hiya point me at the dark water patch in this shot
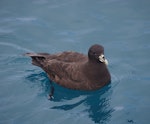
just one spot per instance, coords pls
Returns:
(39, 79)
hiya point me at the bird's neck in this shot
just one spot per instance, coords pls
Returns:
(94, 66)
(96, 71)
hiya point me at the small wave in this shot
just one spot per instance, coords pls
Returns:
(15, 46)
(118, 108)
(53, 5)
(116, 80)
(26, 19)
(6, 31)
(21, 19)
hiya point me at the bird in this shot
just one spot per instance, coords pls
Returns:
(75, 70)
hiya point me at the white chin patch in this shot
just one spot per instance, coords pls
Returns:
(102, 59)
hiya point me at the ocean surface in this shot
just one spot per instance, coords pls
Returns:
(121, 26)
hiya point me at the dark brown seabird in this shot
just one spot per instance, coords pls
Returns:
(75, 70)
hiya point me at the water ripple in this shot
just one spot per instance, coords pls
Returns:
(15, 46)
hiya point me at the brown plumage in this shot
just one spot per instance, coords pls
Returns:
(75, 70)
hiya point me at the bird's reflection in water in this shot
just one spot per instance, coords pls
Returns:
(97, 102)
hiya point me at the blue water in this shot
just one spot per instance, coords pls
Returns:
(121, 26)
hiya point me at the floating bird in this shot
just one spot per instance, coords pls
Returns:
(75, 70)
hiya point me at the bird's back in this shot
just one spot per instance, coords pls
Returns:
(39, 59)
(63, 68)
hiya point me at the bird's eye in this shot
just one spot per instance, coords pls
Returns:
(94, 53)
(103, 56)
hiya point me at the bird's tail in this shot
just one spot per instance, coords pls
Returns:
(37, 59)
